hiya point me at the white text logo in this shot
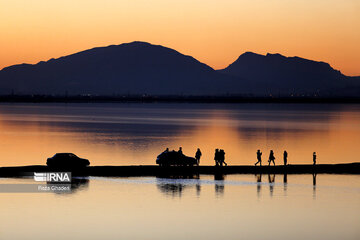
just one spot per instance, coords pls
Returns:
(52, 177)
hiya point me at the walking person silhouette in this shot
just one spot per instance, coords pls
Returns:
(258, 156)
(314, 158)
(271, 157)
(222, 157)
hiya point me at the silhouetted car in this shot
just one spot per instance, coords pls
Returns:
(174, 158)
(67, 160)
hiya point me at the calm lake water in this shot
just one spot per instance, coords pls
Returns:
(235, 207)
(132, 134)
(238, 207)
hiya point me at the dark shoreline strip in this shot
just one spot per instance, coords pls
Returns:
(152, 170)
(175, 99)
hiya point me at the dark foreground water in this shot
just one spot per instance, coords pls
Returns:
(132, 134)
(238, 207)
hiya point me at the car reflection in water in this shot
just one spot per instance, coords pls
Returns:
(175, 185)
(77, 184)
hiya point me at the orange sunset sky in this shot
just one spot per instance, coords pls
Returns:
(215, 32)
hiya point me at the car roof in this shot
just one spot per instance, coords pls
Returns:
(59, 154)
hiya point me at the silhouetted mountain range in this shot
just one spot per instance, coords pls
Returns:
(143, 68)
(276, 74)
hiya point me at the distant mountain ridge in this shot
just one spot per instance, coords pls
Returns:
(143, 68)
(131, 68)
(275, 73)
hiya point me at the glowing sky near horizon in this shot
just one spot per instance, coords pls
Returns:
(215, 32)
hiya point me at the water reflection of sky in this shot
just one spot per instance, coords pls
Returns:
(135, 133)
(238, 205)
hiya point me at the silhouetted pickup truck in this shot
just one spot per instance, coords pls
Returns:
(173, 158)
(68, 160)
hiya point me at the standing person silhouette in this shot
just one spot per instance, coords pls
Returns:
(271, 157)
(216, 157)
(258, 156)
(285, 157)
(314, 158)
(198, 156)
(180, 150)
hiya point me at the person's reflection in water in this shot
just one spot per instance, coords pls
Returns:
(198, 189)
(219, 184)
(258, 185)
(271, 183)
(198, 186)
(285, 183)
(314, 185)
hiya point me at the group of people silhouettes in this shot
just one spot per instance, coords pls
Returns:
(219, 157)
(272, 157)
(198, 154)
